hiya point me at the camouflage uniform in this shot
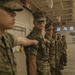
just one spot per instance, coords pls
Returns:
(64, 49)
(51, 46)
(61, 51)
(7, 42)
(57, 55)
(41, 52)
(51, 51)
(7, 62)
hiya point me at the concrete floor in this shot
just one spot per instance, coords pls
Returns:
(69, 69)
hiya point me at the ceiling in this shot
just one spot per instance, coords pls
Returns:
(62, 10)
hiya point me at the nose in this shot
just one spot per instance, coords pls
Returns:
(13, 14)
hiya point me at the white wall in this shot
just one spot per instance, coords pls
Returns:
(26, 19)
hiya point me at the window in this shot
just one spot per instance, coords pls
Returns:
(58, 28)
(65, 28)
(71, 28)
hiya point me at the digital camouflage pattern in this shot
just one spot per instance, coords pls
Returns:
(61, 51)
(41, 52)
(57, 53)
(54, 55)
(11, 4)
(64, 45)
(39, 16)
(64, 51)
(51, 50)
(57, 57)
(7, 61)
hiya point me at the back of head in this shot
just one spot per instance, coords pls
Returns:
(54, 30)
(63, 37)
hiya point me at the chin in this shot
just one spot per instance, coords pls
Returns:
(10, 27)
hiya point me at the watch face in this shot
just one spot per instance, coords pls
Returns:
(50, 3)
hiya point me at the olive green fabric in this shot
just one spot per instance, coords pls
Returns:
(11, 4)
(49, 25)
(41, 53)
(7, 60)
(39, 16)
(54, 55)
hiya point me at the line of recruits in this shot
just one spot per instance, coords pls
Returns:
(49, 56)
(42, 59)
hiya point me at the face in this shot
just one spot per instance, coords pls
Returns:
(7, 20)
(49, 32)
(64, 37)
(59, 36)
(55, 34)
(40, 24)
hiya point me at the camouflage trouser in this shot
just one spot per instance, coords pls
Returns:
(43, 69)
(54, 71)
(55, 68)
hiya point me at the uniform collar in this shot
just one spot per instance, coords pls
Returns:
(49, 37)
(37, 30)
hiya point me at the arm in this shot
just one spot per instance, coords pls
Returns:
(14, 41)
(32, 65)
(46, 41)
(26, 42)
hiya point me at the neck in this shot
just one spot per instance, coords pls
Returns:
(1, 32)
(49, 35)
(54, 37)
(39, 30)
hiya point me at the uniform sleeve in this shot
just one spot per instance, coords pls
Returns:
(12, 39)
(32, 51)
